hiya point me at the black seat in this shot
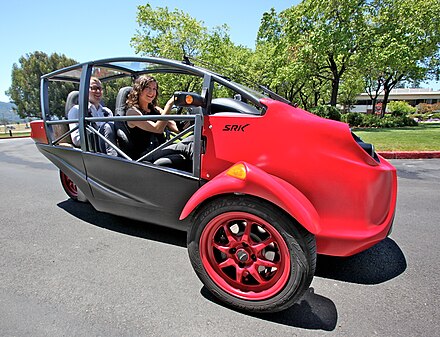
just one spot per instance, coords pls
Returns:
(61, 129)
(121, 99)
(71, 100)
(121, 128)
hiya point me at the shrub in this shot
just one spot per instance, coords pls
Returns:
(371, 121)
(397, 121)
(353, 118)
(400, 108)
(426, 116)
(425, 108)
(375, 121)
(327, 111)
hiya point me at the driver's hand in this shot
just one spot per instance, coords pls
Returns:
(167, 109)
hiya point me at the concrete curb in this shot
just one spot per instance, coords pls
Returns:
(409, 154)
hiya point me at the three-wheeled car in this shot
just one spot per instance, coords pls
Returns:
(268, 187)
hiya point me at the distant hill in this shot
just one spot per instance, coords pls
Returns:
(6, 113)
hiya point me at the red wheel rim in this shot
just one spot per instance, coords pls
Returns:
(245, 255)
(69, 185)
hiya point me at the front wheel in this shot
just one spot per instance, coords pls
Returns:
(250, 254)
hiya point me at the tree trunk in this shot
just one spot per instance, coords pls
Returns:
(373, 104)
(386, 94)
(373, 93)
(337, 75)
(388, 85)
(335, 90)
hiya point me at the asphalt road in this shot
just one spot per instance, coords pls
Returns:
(67, 270)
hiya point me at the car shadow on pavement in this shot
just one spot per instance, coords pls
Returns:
(87, 213)
(380, 263)
(313, 312)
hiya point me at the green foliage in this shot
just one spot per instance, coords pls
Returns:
(390, 121)
(425, 117)
(400, 108)
(326, 37)
(25, 87)
(403, 45)
(111, 90)
(328, 45)
(327, 111)
(356, 119)
(166, 33)
(175, 34)
(353, 118)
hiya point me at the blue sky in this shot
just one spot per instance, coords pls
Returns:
(87, 30)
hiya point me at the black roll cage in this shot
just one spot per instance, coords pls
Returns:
(81, 74)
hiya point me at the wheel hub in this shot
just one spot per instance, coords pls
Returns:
(242, 255)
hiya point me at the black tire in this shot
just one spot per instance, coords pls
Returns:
(250, 254)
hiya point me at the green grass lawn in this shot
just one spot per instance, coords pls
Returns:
(15, 134)
(425, 137)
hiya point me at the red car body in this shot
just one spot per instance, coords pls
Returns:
(309, 166)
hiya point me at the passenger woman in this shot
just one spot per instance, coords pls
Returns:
(147, 135)
(142, 100)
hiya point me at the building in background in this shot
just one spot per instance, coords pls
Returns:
(413, 96)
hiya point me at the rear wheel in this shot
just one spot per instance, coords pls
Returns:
(69, 186)
(250, 254)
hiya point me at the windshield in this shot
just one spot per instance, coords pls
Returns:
(263, 92)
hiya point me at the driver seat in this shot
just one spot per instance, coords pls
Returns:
(121, 128)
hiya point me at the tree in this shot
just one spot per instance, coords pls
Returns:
(350, 87)
(405, 45)
(25, 87)
(165, 33)
(275, 66)
(327, 36)
(175, 34)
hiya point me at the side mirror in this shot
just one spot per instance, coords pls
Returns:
(187, 99)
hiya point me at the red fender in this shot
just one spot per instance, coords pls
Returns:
(258, 183)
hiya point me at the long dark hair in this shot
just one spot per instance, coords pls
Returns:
(140, 84)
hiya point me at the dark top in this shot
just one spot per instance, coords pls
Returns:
(141, 141)
(144, 141)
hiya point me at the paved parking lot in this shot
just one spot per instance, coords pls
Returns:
(67, 270)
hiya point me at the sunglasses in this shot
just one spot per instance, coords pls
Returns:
(95, 88)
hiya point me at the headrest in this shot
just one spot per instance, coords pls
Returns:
(71, 100)
(121, 98)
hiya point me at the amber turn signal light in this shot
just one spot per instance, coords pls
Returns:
(189, 99)
(237, 171)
